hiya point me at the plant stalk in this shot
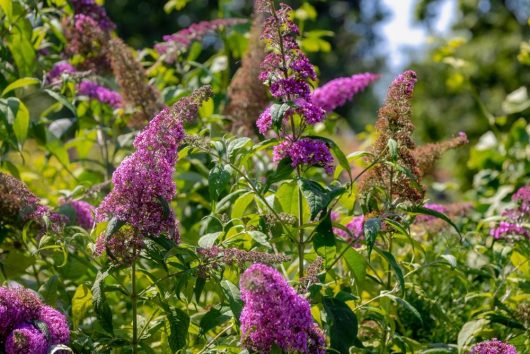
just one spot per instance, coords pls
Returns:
(300, 230)
(134, 298)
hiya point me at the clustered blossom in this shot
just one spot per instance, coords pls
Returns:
(427, 155)
(288, 74)
(60, 68)
(180, 41)
(138, 94)
(274, 314)
(341, 90)
(493, 346)
(99, 93)
(394, 122)
(84, 213)
(515, 218)
(355, 226)
(306, 151)
(143, 183)
(20, 311)
(95, 12)
(19, 205)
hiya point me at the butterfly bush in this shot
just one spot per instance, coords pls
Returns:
(99, 93)
(288, 74)
(516, 218)
(341, 90)
(60, 68)
(84, 212)
(355, 226)
(493, 346)
(20, 312)
(143, 183)
(91, 9)
(274, 314)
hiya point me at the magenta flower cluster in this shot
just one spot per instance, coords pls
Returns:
(305, 151)
(355, 226)
(274, 314)
(84, 213)
(493, 346)
(60, 68)
(341, 90)
(288, 73)
(181, 40)
(22, 316)
(99, 93)
(515, 218)
(143, 183)
(91, 9)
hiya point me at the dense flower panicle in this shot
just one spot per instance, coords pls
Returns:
(247, 96)
(178, 42)
(84, 213)
(137, 93)
(99, 93)
(93, 10)
(264, 122)
(306, 151)
(20, 310)
(122, 248)
(18, 205)
(274, 314)
(341, 90)
(427, 155)
(60, 68)
(312, 113)
(516, 219)
(87, 42)
(394, 122)
(493, 346)
(144, 181)
(311, 276)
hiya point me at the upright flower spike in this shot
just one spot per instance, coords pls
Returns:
(288, 74)
(137, 93)
(515, 225)
(395, 143)
(94, 11)
(247, 96)
(84, 212)
(274, 314)
(341, 90)
(143, 183)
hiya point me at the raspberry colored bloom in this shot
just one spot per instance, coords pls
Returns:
(506, 228)
(355, 226)
(493, 346)
(274, 314)
(100, 93)
(25, 338)
(338, 91)
(517, 218)
(91, 9)
(84, 213)
(311, 113)
(57, 324)
(58, 69)
(264, 121)
(306, 151)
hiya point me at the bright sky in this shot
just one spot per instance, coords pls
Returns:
(400, 32)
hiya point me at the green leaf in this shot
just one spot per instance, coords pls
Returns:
(208, 240)
(99, 300)
(21, 124)
(371, 228)
(21, 48)
(318, 197)
(436, 214)
(199, 287)
(81, 303)
(233, 295)
(278, 111)
(342, 324)
(356, 264)
(282, 172)
(324, 240)
(235, 146)
(179, 322)
(113, 226)
(166, 209)
(395, 267)
(212, 319)
(25, 81)
(61, 99)
(7, 7)
(469, 330)
(260, 238)
(241, 204)
(218, 180)
(407, 306)
(393, 149)
(48, 290)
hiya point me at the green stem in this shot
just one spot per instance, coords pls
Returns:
(389, 275)
(300, 230)
(134, 299)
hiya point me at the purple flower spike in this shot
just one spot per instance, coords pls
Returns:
(100, 93)
(306, 151)
(341, 90)
(25, 338)
(493, 346)
(274, 314)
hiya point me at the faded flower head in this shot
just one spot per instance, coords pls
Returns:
(493, 346)
(394, 124)
(143, 183)
(138, 94)
(274, 314)
(427, 155)
(236, 256)
(341, 90)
